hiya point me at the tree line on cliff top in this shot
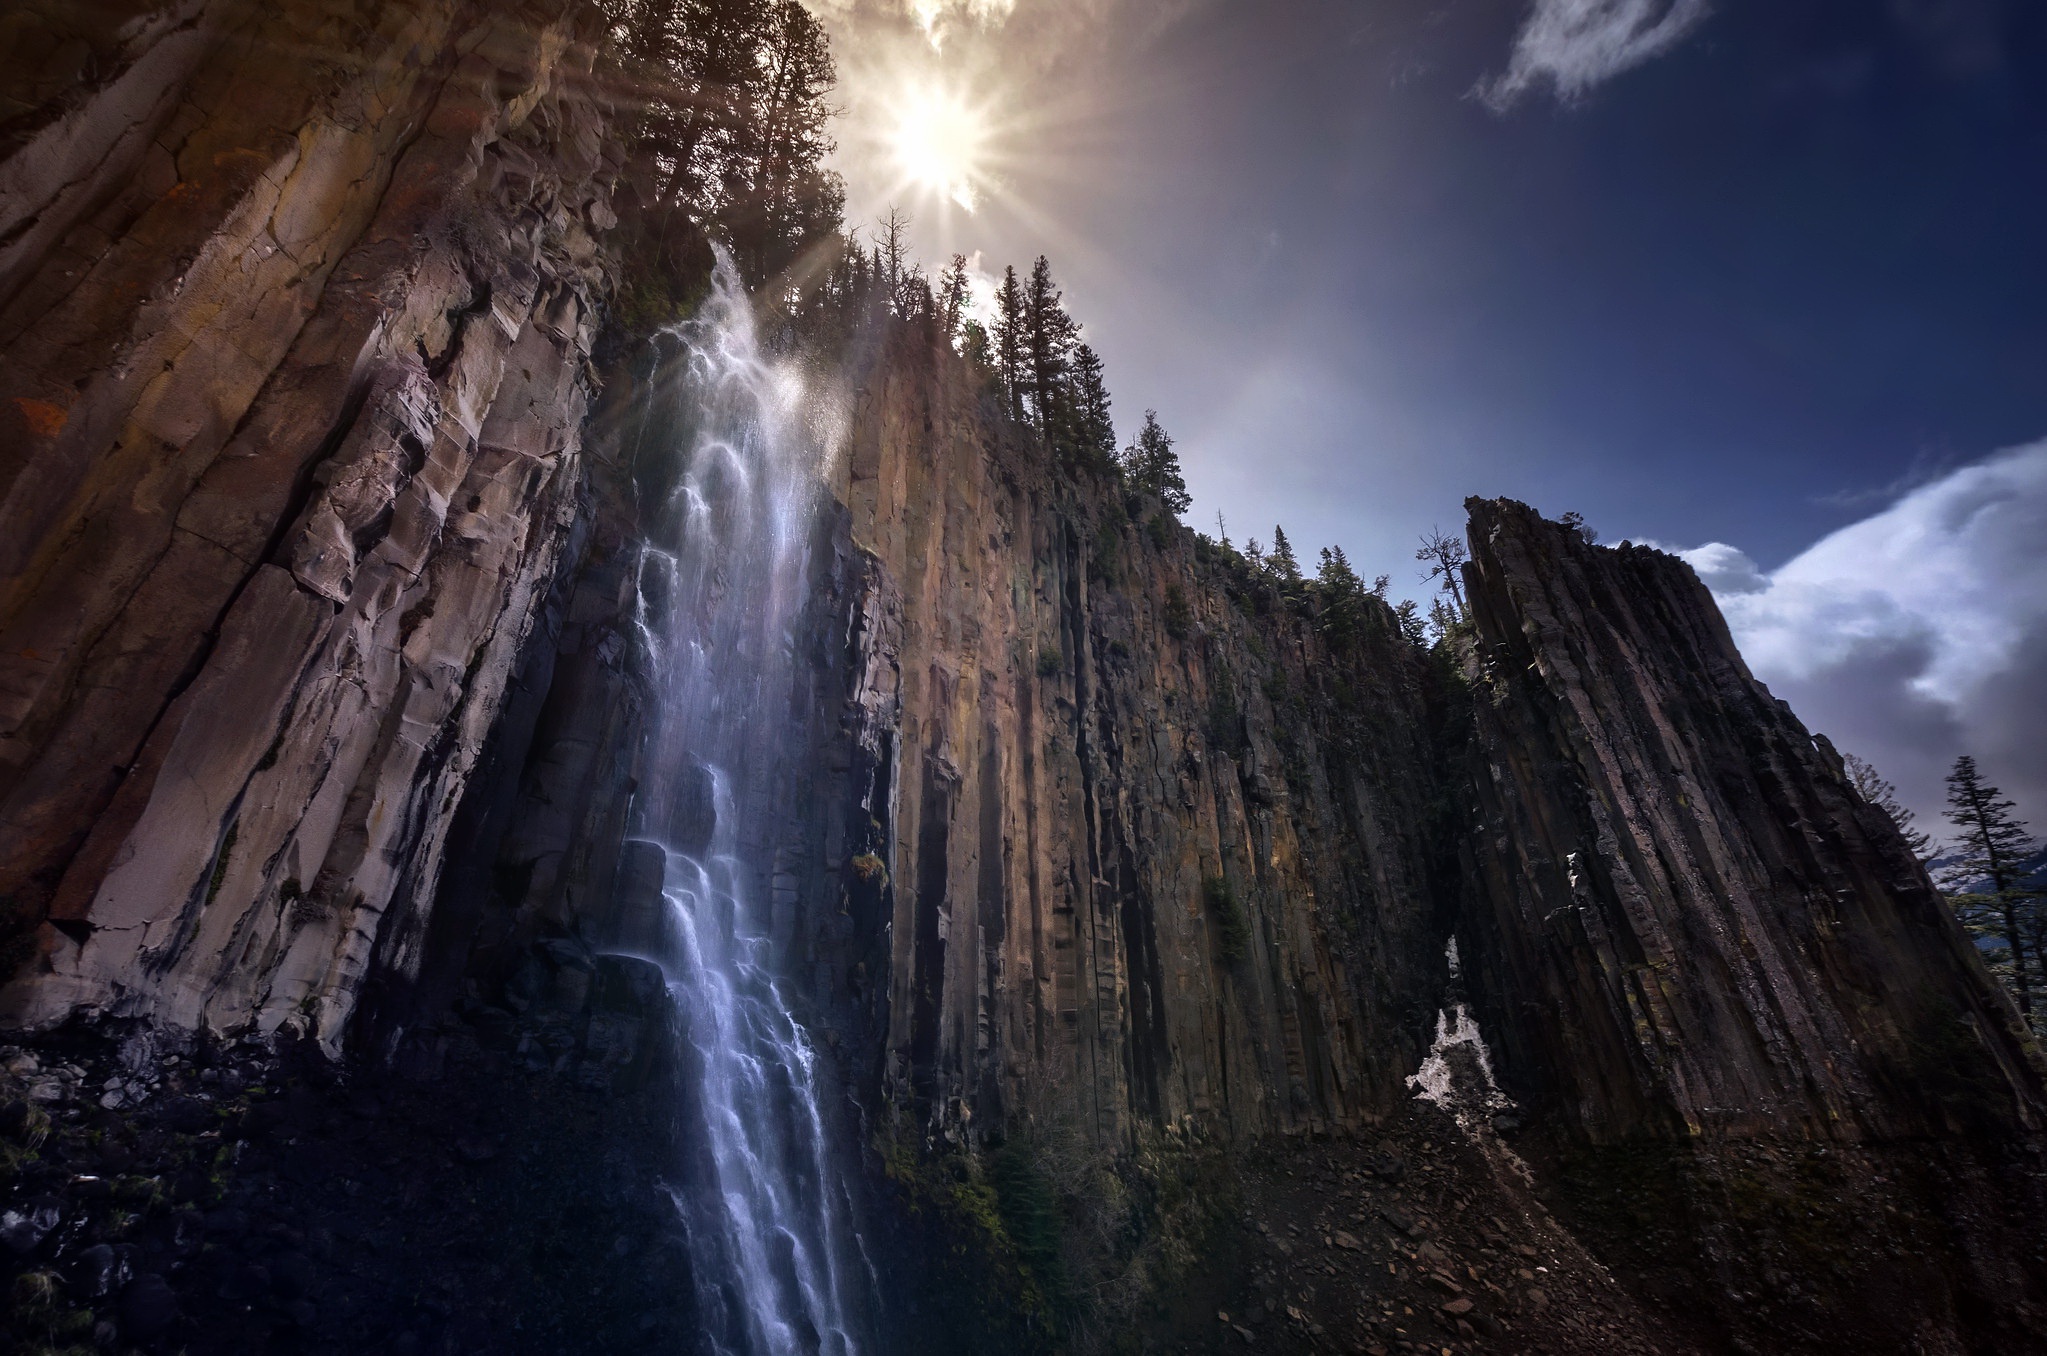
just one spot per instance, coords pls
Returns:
(724, 116)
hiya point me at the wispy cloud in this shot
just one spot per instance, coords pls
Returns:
(1916, 634)
(1576, 44)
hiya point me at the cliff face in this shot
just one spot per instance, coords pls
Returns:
(1694, 927)
(321, 710)
(1151, 856)
(294, 351)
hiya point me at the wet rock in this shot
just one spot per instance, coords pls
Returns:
(49, 1090)
(23, 1230)
(95, 1272)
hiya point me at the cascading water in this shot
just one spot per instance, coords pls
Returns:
(721, 585)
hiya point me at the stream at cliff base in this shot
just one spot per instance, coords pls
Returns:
(778, 1265)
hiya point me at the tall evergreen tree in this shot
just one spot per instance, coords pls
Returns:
(1409, 617)
(1343, 597)
(1051, 335)
(1281, 562)
(952, 297)
(1873, 788)
(1012, 342)
(782, 196)
(1991, 849)
(729, 131)
(975, 346)
(1089, 435)
(1150, 464)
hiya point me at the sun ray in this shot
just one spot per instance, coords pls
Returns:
(940, 144)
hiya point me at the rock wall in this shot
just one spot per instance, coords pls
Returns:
(1063, 829)
(1772, 1084)
(1094, 841)
(1694, 927)
(296, 306)
(319, 707)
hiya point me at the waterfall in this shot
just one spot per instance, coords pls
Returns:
(721, 586)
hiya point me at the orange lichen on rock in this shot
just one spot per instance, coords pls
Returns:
(44, 418)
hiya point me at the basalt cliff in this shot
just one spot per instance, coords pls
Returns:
(1122, 888)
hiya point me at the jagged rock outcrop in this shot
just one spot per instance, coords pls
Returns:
(1694, 924)
(294, 354)
(1776, 1086)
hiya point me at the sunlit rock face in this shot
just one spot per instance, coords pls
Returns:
(293, 352)
(1072, 756)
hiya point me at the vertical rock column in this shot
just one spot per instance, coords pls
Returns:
(1692, 925)
(300, 392)
(1050, 726)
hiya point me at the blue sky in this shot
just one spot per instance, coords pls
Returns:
(1742, 273)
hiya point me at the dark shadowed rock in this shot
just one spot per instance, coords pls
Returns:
(148, 1307)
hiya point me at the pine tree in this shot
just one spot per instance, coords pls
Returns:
(1151, 465)
(725, 122)
(1335, 573)
(775, 197)
(1409, 617)
(1281, 562)
(1343, 595)
(1871, 786)
(952, 297)
(1991, 849)
(1051, 337)
(975, 346)
(1012, 342)
(1443, 617)
(1089, 438)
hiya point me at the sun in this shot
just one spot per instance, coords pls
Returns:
(940, 144)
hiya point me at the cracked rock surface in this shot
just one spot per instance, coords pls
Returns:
(293, 362)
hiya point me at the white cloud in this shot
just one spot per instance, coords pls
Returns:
(1726, 569)
(1576, 44)
(1916, 634)
(982, 285)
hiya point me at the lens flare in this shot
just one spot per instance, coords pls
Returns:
(940, 143)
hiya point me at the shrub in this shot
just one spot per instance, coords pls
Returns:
(1179, 616)
(1050, 661)
(1233, 930)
